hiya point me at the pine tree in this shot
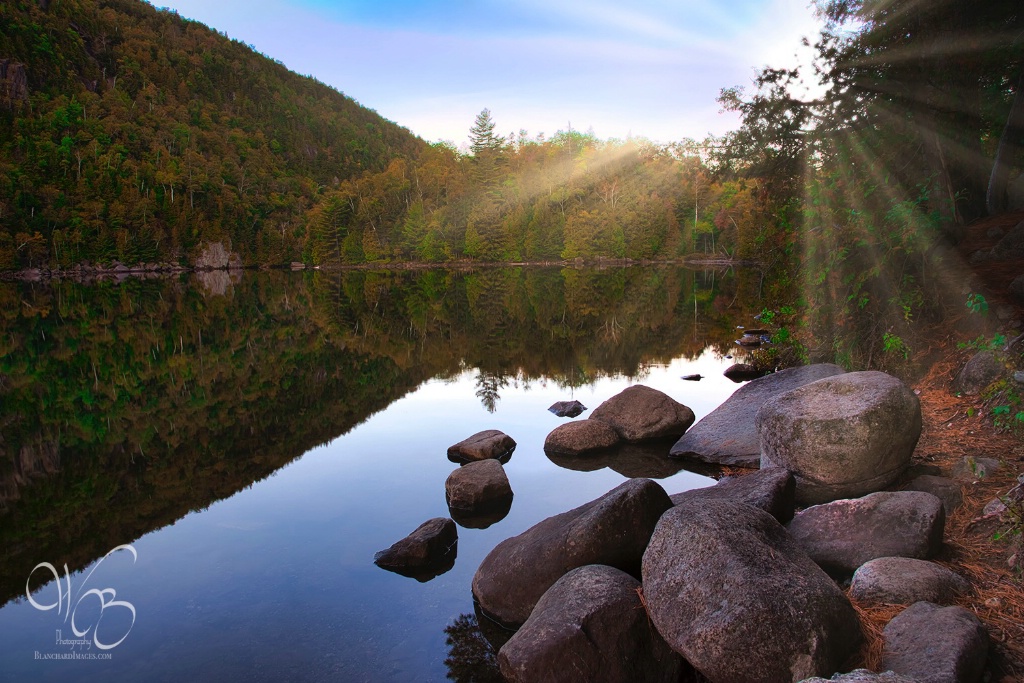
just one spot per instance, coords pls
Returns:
(482, 139)
(487, 151)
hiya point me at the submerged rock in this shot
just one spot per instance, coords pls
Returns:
(490, 443)
(728, 434)
(841, 436)
(612, 530)
(427, 552)
(589, 627)
(728, 588)
(639, 413)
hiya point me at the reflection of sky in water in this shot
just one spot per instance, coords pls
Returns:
(277, 582)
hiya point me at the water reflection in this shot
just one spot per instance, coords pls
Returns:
(628, 459)
(136, 406)
(471, 658)
(483, 516)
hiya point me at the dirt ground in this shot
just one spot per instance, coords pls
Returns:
(955, 427)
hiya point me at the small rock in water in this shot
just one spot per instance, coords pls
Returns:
(693, 378)
(427, 552)
(490, 443)
(640, 413)
(478, 486)
(742, 372)
(567, 408)
(581, 436)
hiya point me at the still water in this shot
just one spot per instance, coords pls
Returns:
(257, 441)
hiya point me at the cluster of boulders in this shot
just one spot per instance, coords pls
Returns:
(739, 583)
(478, 495)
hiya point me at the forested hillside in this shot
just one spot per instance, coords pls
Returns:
(129, 133)
(536, 199)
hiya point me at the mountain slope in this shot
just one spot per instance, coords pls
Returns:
(130, 133)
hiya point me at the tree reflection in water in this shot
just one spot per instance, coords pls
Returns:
(471, 658)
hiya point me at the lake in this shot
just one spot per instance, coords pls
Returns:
(256, 439)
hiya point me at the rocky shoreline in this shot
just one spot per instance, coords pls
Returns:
(762, 577)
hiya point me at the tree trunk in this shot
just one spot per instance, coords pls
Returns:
(995, 198)
(943, 194)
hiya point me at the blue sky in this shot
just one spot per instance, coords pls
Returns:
(650, 68)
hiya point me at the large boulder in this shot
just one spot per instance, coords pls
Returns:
(639, 413)
(425, 553)
(936, 644)
(981, 370)
(728, 434)
(727, 588)
(904, 581)
(478, 486)
(842, 535)
(490, 443)
(612, 530)
(842, 436)
(770, 490)
(589, 627)
(581, 436)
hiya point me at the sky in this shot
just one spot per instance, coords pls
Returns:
(643, 68)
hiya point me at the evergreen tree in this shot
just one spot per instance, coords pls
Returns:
(481, 135)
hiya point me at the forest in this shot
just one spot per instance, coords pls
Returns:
(129, 134)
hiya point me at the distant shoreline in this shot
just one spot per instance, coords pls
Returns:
(120, 271)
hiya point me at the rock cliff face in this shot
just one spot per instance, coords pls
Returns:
(215, 256)
(13, 83)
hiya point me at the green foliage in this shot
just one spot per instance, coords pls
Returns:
(143, 135)
(892, 343)
(982, 343)
(976, 303)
